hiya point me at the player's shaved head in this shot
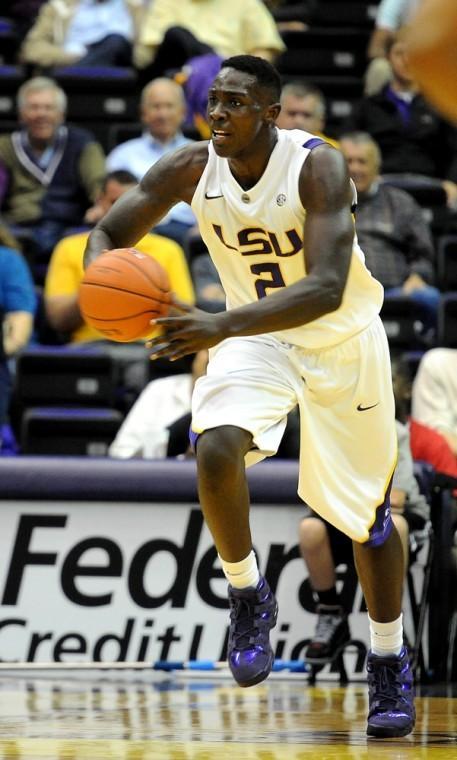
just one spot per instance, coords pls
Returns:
(266, 76)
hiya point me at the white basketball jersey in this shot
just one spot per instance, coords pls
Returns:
(255, 239)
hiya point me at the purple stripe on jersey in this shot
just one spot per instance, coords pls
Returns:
(313, 143)
(383, 524)
(193, 437)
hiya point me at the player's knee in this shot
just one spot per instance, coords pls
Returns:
(312, 533)
(221, 451)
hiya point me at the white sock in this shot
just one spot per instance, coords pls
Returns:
(386, 638)
(243, 573)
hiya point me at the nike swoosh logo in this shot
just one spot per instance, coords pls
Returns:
(212, 197)
(361, 408)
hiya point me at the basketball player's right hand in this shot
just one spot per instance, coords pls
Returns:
(185, 330)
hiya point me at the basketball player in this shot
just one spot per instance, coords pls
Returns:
(302, 327)
(432, 53)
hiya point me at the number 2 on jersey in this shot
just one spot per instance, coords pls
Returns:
(275, 281)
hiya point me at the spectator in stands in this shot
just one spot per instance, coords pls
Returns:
(50, 173)
(158, 423)
(392, 232)
(303, 107)
(163, 111)
(427, 444)
(323, 548)
(17, 309)
(66, 267)
(411, 135)
(83, 32)
(434, 393)
(391, 15)
(66, 272)
(176, 30)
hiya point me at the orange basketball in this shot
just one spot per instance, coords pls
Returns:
(121, 291)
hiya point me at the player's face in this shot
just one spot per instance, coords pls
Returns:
(236, 113)
(41, 115)
(362, 164)
(163, 111)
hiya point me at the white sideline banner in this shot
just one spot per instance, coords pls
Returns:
(84, 582)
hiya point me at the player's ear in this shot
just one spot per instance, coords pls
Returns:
(272, 112)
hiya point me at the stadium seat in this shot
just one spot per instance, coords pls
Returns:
(447, 321)
(65, 375)
(412, 360)
(64, 431)
(403, 323)
(11, 78)
(323, 51)
(427, 191)
(361, 14)
(120, 132)
(446, 262)
(99, 96)
(9, 40)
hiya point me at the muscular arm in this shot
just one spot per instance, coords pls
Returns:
(170, 180)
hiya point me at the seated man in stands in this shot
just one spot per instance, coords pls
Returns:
(391, 15)
(412, 137)
(391, 229)
(98, 33)
(303, 107)
(163, 110)
(323, 548)
(157, 425)
(176, 30)
(428, 442)
(434, 393)
(66, 271)
(50, 173)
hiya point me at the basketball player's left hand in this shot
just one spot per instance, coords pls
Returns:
(185, 330)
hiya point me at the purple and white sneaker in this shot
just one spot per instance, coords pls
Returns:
(253, 613)
(391, 695)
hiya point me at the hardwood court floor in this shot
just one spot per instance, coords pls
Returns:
(150, 718)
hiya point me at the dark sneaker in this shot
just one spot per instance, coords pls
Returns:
(331, 634)
(253, 613)
(391, 695)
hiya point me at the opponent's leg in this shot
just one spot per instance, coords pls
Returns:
(224, 497)
(332, 629)
(390, 679)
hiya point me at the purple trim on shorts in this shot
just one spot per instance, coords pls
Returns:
(383, 524)
(193, 437)
(313, 143)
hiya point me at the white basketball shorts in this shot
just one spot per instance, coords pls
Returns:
(348, 445)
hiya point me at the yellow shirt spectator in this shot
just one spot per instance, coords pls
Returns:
(230, 28)
(66, 271)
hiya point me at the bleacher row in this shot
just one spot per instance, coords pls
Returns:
(69, 399)
(331, 53)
